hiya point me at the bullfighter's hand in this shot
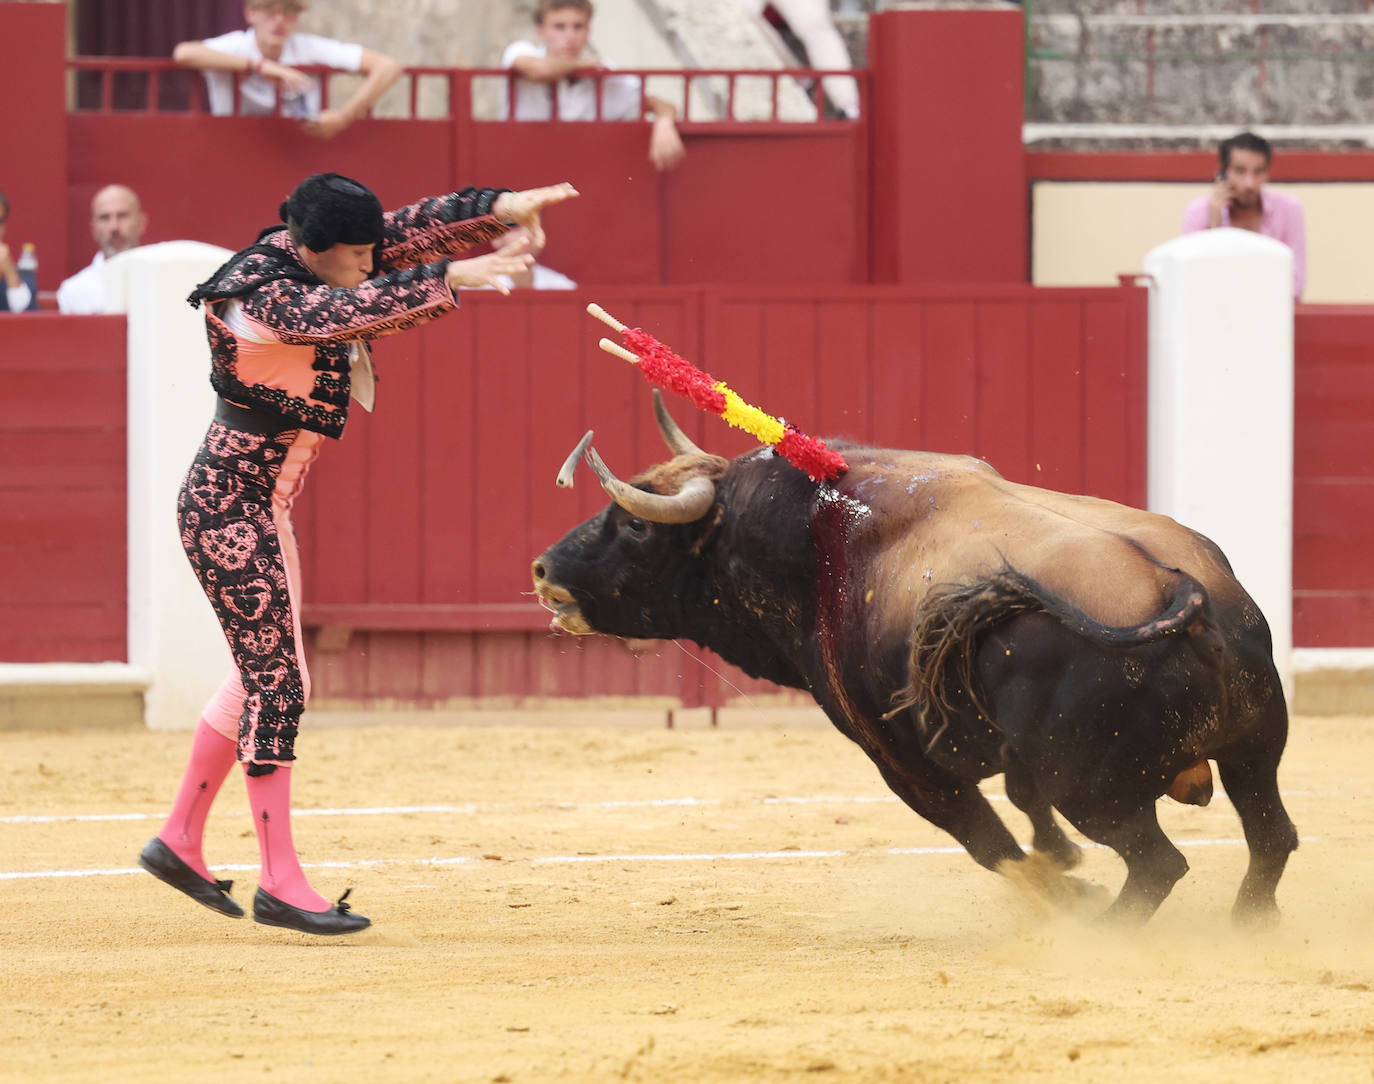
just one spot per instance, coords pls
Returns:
(327, 125)
(510, 259)
(524, 208)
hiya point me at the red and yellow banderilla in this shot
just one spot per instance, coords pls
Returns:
(669, 370)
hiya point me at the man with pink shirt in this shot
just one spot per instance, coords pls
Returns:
(1239, 200)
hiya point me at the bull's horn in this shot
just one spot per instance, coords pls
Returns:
(677, 441)
(565, 474)
(690, 503)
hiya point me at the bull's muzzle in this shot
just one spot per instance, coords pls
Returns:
(558, 600)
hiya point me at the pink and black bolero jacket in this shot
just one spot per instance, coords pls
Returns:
(295, 365)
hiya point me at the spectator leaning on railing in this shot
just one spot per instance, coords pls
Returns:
(268, 55)
(561, 60)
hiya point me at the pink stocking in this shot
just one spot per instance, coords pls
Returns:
(212, 755)
(269, 796)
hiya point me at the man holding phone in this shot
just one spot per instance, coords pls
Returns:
(1239, 200)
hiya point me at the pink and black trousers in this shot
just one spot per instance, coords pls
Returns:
(234, 513)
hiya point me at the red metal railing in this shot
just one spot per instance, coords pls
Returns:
(156, 85)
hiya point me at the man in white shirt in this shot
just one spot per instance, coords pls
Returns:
(536, 276)
(560, 60)
(117, 224)
(268, 55)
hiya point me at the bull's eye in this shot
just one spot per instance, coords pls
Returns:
(636, 526)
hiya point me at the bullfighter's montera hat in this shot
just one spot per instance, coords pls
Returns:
(331, 209)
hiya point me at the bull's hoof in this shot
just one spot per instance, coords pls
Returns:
(1255, 914)
(1040, 882)
(1090, 894)
(1127, 914)
(1064, 853)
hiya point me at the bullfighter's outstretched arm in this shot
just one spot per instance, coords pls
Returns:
(305, 314)
(299, 312)
(448, 225)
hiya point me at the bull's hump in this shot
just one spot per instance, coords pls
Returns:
(899, 481)
(930, 519)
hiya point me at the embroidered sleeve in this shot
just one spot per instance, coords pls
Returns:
(302, 314)
(440, 226)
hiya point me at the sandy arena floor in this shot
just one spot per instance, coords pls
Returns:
(655, 905)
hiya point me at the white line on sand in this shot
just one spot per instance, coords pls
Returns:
(492, 807)
(466, 860)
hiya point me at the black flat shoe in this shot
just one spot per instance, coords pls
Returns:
(271, 911)
(162, 862)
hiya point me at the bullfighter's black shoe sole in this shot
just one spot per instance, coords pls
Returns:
(162, 862)
(271, 911)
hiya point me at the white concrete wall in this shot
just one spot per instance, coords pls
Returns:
(173, 635)
(1221, 407)
(1086, 233)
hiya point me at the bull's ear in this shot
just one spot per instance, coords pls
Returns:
(569, 468)
(677, 441)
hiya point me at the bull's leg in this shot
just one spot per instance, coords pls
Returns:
(1254, 791)
(1049, 838)
(962, 811)
(1153, 864)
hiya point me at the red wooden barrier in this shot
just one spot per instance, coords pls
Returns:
(1333, 483)
(63, 549)
(418, 528)
(701, 223)
(32, 52)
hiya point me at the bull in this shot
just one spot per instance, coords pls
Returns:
(956, 625)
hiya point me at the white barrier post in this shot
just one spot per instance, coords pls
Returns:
(173, 634)
(1221, 407)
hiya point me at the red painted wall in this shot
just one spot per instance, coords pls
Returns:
(1333, 483)
(63, 549)
(733, 212)
(224, 177)
(33, 133)
(949, 174)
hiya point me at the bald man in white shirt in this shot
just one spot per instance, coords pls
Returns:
(117, 225)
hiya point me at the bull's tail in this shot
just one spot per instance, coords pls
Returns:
(952, 621)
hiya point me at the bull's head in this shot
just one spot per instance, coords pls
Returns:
(626, 572)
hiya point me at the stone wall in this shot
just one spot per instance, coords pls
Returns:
(441, 33)
(1242, 70)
